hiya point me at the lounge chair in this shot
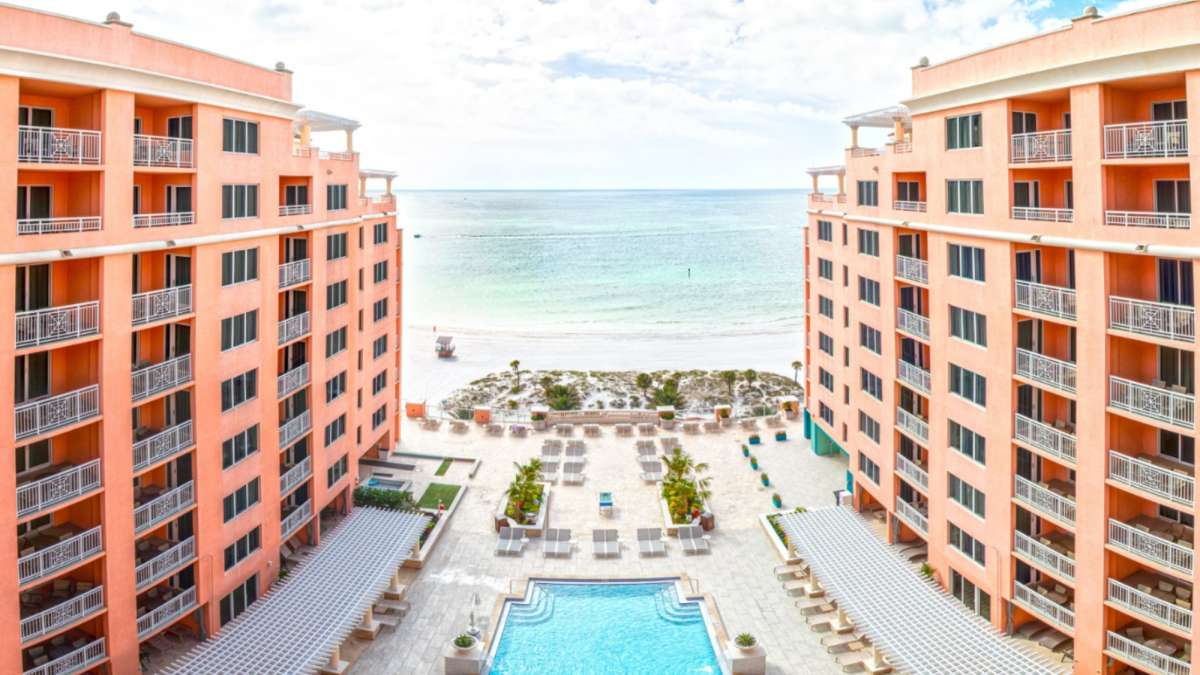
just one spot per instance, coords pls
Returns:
(495, 429)
(551, 451)
(650, 541)
(691, 427)
(789, 572)
(624, 429)
(647, 454)
(575, 451)
(749, 423)
(652, 472)
(459, 426)
(691, 539)
(795, 586)
(773, 420)
(510, 540)
(572, 473)
(553, 442)
(605, 544)
(564, 429)
(557, 542)
(519, 430)
(549, 471)
(1054, 640)
(591, 430)
(646, 429)
(712, 427)
(669, 442)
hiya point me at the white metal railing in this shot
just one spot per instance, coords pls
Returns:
(1163, 405)
(1157, 319)
(1045, 437)
(294, 429)
(294, 272)
(1171, 221)
(1171, 486)
(162, 445)
(1042, 606)
(163, 507)
(912, 323)
(1146, 139)
(62, 614)
(1045, 556)
(48, 414)
(914, 375)
(339, 156)
(909, 514)
(818, 197)
(866, 152)
(380, 199)
(166, 613)
(62, 555)
(301, 151)
(63, 486)
(295, 476)
(74, 662)
(1044, 500)
(58, 225)
(913, 269)
(915, 474)
(1150, 547)
(56, 324)
(841, 199)
(1149, 606)
(293, 379)
(161, 377)
(290, 329)
(918, 207)
(1046, 370)
(1044, 215)
(1043, 299)
(901, 148)
(165, 563)
(46, 145)
(912, 424)
(162, 151)
(1042, 146)
(164, 219)
(1146, 657)
(295, 519)
(164, 304)
(295, 210)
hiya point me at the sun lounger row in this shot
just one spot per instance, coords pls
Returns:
(549, 471)
(652, 471)
(647, 428)
(650, 541)
(591, 430)
(459, 426)
(565, 429)
(572, 473)
(605, 544)
(624, 429)
(575, 450)
(510, 541)
(556, 542)
(691, 539)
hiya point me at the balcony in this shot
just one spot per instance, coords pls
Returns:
(1049, 602)
(56, 485)
(161, 506)
(1154, 597)
(165, 304)
(290, 329)
(158, 558)
(292, 430)
(1163, 405)
(160, 151)
(1045, 370)
(819, 198)
(913, 425)
(157, 446)
(1042, 146)
(1146, 139)
(867, 152)
(336, 156)
(1053, 441)
(1046, 300)
(381, 199)
(162, 377)
(912, 323)
(1144, 657)
(58, 225)
(58, 612)
(916, 517)
(1170, 221)
(912, 269)
(57, 324)
(164, 219)
(46, 415)
(901, 148)
(1054, 552)
(52, 548)
(45, 145)
(1171, 481)
(292, 520)
(915, 472)
(74, 661)
(1055, 499)
(295, 210)
(294, 476)
(162, 610)
(913, 375)
(916, 207)
(295, 272)
(1155, 319)
(1043, 215)
(293, 379)
(1154, 539)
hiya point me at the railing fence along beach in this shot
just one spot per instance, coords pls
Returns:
(612, 416)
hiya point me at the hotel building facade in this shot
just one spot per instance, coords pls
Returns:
(1001, 332)
(172, 243)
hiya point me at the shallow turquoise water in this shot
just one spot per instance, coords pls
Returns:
(605, 629)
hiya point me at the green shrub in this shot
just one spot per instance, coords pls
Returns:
(392, 500)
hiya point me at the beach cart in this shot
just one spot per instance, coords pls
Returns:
(606, 503)
(445, 346)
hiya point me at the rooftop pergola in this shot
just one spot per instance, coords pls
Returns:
(913, 622)
(309, 121)
(817, 171)
(366, 174)
(297, 627)
(896, 118)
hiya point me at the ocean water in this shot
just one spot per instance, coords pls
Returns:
(619, 262)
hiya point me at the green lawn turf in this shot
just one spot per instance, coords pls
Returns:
(437, 491)
(441, 470)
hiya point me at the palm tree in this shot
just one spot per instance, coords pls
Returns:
(682, 465)
(669, 395)
(516, 368)
(729, 377)
(751, 376)
(546, 381)
(796, 366)
(644, 382)
(562, 397)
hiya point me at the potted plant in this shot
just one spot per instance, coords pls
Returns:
(745, 450)
(753, 462)
(725, 415)
(667, 420)
(781, 435)
(745, 642)
(927, 570)
(789, 409)
(765, 479)
(778, 501)
(464, 643)
(754, 439)
(539, 420)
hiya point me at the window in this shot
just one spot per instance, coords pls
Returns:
(239, 201)
(967, 442)
(1024, 122)
(335, 342)
(336, 196)
(381, 233)
(868, 291)
(379, 347)
(845, 234)
(242, 548)
(964, 196)
(868, 468)
(871, 383)
(975, 598)
(966, 262)
(240, 136)
(826, 306)
(908, 191)
(970, 498)
(34, 456)
(238, 267)
(379, 416)
(968, 545)
(1166, 111)
(826, 379)
(335, 430)
(381, 271)
(241, 499)
(335, 387)
(825, 268)
(826, 343)
(335, 294)
(239, 447)
(827, 414)
(868, 242)
(237, 390)
(868, 193)
(870, 338)
(1172, 196)
(968, 385)
(380, 309)
(335, 246)
(239, 330)
(869, 428)
(238, 600)
(825, 231)
(378, 383)
(295, 195)
(334, 473)
(964, 132)
(968, 325)
(845, 276)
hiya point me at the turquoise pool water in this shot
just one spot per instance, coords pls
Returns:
(605, 629)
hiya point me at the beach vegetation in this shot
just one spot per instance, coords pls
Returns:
(751, 376)
(546, 381)
(524, 493)
(513, 405)
(796, 366)
(465, 414)
(762, 411)
(729, 377)
(683, 489)
(644, 382)
(669, 395)
(563, 397)
(392, 500)
(516, 368)
(745, 641)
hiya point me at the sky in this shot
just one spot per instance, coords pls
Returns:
(594, 94)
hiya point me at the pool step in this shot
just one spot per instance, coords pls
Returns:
(672, 611)
(539, 610)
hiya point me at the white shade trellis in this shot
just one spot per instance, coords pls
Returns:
(319, 121)
(884, 118)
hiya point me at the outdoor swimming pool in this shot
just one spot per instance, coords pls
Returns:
(614, 628)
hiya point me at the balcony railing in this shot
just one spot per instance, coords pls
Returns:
(912, 424)
(294, 429)
(909, 514)
(1164, 483)
(912, 375)
(163, 507)
(74, 662)
(912, 269)
(1046, 370)
(295, 519)
(866, 152)
(61, 487)
(293, 379)
(45, 145)
(1156, 319)
(918, 207)
(912, 323)
(1149, 606)
(1040, 605)
(295, 210)
(1163, 405)
(1045, 437)
(58, 225)
(161, 377)
(60, 556)
(1146, 139)
(295, 476)
(901, 148)
(381, 199)
(295, 272)
(1043, 299)
(166, 563)
(164, 304)
(57, 324)
(62, 614)
(337, 156)
(915, 474)
(1150, 547)
(1044, 215)
(841, 199)
(162, 445)
(1171, 221)
(162, 151)
(290, 329)
(1042, 146)
(819, 197)
(1146, 657)
(301, 151)
(166, 613)
(56, 412)
(1045, 556)
(1043, 500)
(164, 219)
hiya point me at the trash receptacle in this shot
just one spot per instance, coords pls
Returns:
(707, 521)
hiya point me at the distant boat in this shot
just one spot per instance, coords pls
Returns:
(416, 236)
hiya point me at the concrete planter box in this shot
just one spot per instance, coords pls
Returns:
(543, 517)
(785, 556)
(663, 411)
(670, 527)
(417, 560)
(751, 661)
(666, 424)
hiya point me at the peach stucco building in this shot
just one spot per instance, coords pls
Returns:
(1001, 332)
(189, 392)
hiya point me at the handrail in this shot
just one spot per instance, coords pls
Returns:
(165, 563)
(1148, 546)
(47, 414)
(51, 145)
(166, 613)
(1146, 657)
(56, 324)
(74, 662)
(49, 560)
(1045, 437)
(1168, 138)
(163, 151)
(162, 445)
(62, 614)
(1043, 606)
(909, 469)
(163, 507)
(294, 272)
(1163, 405)
(1149, 606)
(1046, 370)
(914, 375)
(164, 219)
(912, 323)
(295, 209)
(161, 377)
(1044, 215)
(1157, 319)
(1038, 552)
(296, 326)
(1171, 486)
(918, 207)
(1044, 500)
(295, 519)
(912, 516)
(292, 380)
(294, 429)
(1042, 146)
(912, 424)
(59, 225)
(1171, 221)
(162, 304)
(1053, 301)
(295, 476)
(58, 488)
(913, 269)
